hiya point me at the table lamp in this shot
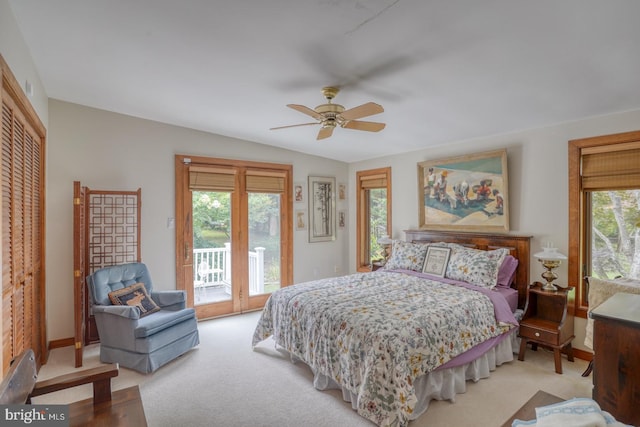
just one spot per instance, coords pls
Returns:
(550, 259)
(385, 241)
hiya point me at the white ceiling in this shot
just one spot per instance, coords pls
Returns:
(443, 70)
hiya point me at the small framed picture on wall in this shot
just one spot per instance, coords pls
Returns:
(342, 218)
(342, 191)
(298, 192)
(301, 219)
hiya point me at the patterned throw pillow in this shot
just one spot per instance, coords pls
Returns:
(474, 266)
(136, 296)
(406, 256)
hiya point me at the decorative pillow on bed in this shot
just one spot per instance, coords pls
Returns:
(474, 266)
(136, 296)
(406, 256)
(507, 271)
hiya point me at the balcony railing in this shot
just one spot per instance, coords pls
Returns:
(212, 267)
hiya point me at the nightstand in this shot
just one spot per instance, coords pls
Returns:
(546, 322)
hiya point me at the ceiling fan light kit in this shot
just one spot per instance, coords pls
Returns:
(330, 115)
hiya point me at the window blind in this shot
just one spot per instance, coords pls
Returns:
(265, 181)
(616, 168)
(212, 178)
(373, 181)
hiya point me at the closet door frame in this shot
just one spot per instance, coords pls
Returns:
(23, 276)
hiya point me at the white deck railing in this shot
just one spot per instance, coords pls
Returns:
(212, 266)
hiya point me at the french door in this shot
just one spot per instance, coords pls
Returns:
(233, 233)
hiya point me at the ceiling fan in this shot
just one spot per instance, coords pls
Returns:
(330, 115)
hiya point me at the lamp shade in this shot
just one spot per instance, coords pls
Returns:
(385, 240)
(551, 254)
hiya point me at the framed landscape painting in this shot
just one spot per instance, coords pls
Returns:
(464, 193)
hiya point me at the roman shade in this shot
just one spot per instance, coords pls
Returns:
(259, 181)
(368, 182)
(211, 178)
(202, 178)
(611, 167)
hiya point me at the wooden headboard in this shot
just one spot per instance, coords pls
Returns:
(518, 247)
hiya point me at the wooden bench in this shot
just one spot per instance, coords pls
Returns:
(105, 408)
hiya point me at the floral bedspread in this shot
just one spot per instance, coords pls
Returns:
(375, 333)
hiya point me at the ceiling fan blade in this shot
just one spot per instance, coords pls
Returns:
(306, 110)
(325, 133)
(368, 126)
(293, 126)
(368, 109)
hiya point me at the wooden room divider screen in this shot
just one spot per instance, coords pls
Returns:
(106, 231)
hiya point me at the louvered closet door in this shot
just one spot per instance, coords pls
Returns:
(22, 233)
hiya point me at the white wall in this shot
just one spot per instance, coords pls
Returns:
(538, 184)
(15, 52)
(109, 151)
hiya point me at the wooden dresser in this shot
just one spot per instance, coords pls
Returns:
(616, 363)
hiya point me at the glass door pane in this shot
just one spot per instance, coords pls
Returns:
(615, 234)
(377, 222)
(211, 247)
(264, 243)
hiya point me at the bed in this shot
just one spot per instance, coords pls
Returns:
(394, 339)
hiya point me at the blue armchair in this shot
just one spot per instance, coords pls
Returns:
(143, 343)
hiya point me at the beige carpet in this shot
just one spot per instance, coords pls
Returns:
(223, 382)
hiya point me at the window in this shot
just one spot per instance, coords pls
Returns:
(373, 214)
(604, 210)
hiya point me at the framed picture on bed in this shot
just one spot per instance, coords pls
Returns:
(436, 260)
(464, 193)
(322, 221)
